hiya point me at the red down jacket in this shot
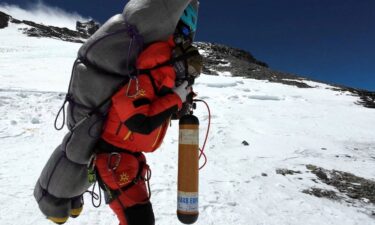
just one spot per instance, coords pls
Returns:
(138, 120)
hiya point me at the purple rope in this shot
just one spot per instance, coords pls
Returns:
(131, 30)
(134, 33)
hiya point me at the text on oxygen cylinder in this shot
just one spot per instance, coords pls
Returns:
(188, 137)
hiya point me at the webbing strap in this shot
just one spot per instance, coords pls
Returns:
(103, 147)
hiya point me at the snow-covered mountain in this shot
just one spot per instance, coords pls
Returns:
(282, 149)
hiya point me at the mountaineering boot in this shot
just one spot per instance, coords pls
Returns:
(58, 220)
(77, 206)
(75, 211)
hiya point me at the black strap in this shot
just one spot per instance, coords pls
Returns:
(138, 177)
(156, 91)
(103, 147)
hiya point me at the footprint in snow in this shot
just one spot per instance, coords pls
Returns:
(222, 85)
(35, 121)
(233, 204)
(265, 97)
(22, 95)
(233, 97)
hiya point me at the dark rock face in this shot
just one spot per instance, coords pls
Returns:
(367, 98)
(285, 172)
(12, 20)
(223, 59)
(88, 28)
(345, 187)
(4, 19)
(218, 59)
(348, 184)
(321, 193)
(85, 30)
(65, 34)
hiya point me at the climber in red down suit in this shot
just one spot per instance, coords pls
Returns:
(137, 122)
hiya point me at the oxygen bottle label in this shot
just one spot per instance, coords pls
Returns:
(187, 201)
(189, 137)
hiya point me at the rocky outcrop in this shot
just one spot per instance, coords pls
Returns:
(347, 184)
(88, 28)
(337, 186)
(221, 59)
(85, 30)
(65, 34)
(367, 99)
(4, 20)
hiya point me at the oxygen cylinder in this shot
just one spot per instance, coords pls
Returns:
(188, 169)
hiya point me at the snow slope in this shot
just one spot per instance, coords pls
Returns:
(34, 63)
(286, 127)
(39, 12)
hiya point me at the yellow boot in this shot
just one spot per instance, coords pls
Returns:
(77, 207)
(76, 212)
(58, 220)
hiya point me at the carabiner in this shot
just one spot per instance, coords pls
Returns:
(92, 162)
(136, 87)
(117, 162)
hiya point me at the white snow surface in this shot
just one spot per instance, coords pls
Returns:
(286, 127)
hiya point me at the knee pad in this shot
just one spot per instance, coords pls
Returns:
(140, 214)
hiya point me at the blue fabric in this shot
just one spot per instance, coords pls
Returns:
(190, 18)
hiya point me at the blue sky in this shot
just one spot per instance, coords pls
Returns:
(327, 40)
